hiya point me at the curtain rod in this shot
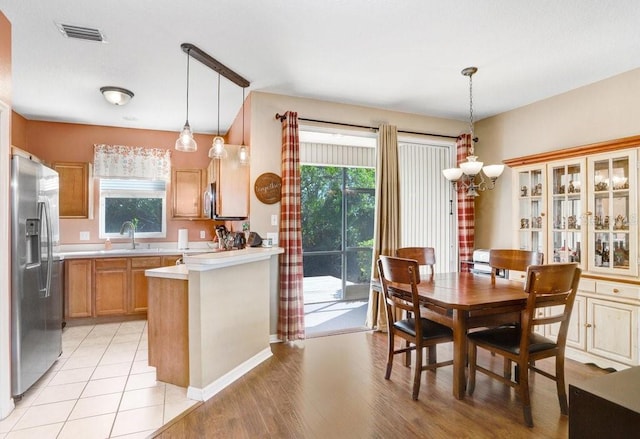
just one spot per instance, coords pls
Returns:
(281, 117)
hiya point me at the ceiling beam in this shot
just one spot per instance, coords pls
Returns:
(213, 64)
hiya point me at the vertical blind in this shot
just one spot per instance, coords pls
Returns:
(424, 201)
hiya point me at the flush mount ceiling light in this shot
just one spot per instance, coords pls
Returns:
(116, 95)
(465, 176)
(217, 150)
(186, 142)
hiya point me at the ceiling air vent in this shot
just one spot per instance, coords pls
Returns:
(81, 33)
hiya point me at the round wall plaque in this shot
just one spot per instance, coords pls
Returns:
(267, 188)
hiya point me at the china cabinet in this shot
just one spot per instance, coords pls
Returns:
(580, 205)
(566, 211)
(530, 221)
(611, 211)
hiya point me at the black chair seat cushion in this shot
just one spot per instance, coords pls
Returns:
(507, 338)
(430, 329)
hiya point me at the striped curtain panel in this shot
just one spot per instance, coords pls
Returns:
(386, 235)
(466, 208)
(291, 301)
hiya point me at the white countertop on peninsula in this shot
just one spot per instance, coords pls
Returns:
(213, 261)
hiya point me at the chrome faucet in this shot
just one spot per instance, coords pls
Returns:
(132, 232)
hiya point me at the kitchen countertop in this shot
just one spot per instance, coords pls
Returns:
(214, 260)
(127, 252)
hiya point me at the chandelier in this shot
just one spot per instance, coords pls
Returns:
(469, 175)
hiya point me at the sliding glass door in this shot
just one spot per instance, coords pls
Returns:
(337, 232)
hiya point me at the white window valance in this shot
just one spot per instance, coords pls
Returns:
(118, 161)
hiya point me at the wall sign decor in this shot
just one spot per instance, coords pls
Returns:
(267, 188)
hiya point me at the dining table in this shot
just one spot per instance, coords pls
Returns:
(463, 301)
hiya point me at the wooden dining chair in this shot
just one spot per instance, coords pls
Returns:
(548, 286)
(425, 256)
(511, 259)
(419, 332)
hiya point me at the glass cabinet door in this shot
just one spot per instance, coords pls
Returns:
(567, 184)
(530, 209)
(612, 209)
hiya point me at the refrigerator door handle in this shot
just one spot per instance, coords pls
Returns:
(45, 214)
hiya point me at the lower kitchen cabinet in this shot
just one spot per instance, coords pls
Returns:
(138, 292)
(109, 287)
(78, 289)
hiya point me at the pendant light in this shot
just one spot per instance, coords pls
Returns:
(217, 150)
(186, 141)
(243, 152)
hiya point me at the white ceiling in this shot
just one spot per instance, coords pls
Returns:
(403, 55)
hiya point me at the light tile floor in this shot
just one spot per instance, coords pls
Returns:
(101, 387)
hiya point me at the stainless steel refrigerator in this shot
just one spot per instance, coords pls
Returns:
(36, 273)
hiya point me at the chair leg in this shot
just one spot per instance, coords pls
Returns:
(433, 355)
(560, 384)
(391, 348)
(523, 386)
(417, 372)
(407, 355)
(471, 359)
(506, 368)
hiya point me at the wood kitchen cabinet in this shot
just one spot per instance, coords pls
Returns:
(75, 189)
(231, 180)
(78, 288)
(111, 286)
(187, 187)
(138, 302)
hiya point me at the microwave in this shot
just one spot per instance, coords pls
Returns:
(210, 207)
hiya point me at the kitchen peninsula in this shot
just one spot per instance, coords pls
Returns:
(209, 318)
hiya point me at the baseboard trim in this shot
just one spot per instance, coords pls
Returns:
(225, 380)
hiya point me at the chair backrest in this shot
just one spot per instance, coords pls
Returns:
(510, 259)
(407, 273)
(553, 287)
(423, 255)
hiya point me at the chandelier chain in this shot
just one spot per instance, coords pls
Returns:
(471, 149)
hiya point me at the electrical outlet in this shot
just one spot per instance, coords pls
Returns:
(274, 220)
(202, 235)
(84, 236)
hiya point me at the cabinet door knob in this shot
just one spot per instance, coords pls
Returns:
(615, 290)
(589, 213)
(542, 214)
(587, 325)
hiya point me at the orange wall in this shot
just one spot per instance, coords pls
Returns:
(53, 141)
(18, 130)
(5, 60)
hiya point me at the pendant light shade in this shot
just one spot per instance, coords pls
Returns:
(186, 142)
(217, 150)
(243, 152)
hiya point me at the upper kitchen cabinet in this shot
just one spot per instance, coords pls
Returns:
(229, 186)
(75, 189)
(187, 188)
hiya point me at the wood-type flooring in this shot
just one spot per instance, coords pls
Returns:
(334, 387)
